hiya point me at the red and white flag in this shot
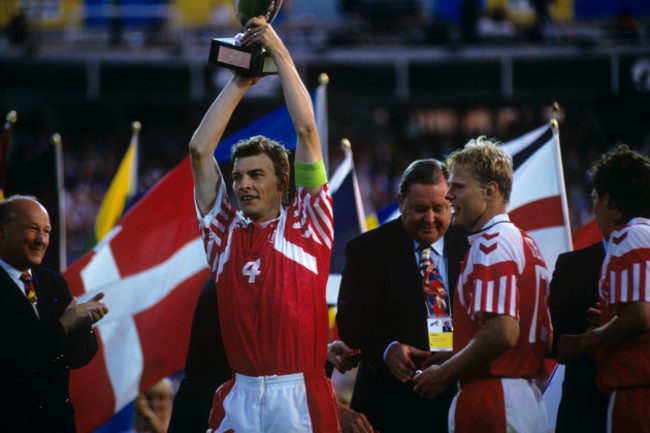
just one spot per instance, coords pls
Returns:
(151, 268)
(538, 203)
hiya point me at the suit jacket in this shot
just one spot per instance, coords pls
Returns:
(37, 355)
(381, 301)
(206, 367)
(574, 288)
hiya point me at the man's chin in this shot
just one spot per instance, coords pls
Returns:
(35, 261)
(430, 237)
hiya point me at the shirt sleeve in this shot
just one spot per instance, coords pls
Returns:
(495, 277)
(313, 215)
(214, 225)
(627, 273)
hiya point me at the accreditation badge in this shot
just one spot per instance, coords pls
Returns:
(440, 334)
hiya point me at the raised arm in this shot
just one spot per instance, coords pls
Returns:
(297, 97)
(205, 169)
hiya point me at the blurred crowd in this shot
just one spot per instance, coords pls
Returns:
(178, 26)
(384, 141)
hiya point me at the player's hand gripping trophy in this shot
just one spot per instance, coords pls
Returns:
(251, 61)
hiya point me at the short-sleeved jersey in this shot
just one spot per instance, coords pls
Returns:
(271, 283)
(625, 277)
(504, 273)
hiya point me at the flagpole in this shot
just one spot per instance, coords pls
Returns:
(361, 215)
(321, 117)
(60, 195)
(560, 174)
(136, 127)
(11, 117)
(5, 148)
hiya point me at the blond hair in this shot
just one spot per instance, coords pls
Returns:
(487, 161)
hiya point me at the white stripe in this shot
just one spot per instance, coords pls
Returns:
(319, 229)
(532, 338)
(624, 286)
(502, 295)
(513, 296)
(325, 217)
(504, 286)
(636, 282)
(477, 295)
(123, 357)
(489, 297)
(292, 251)
(209, 247)
(224, 256)
(646, 288)
(612, 287)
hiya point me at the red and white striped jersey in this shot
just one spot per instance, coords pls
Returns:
(625, 277)
(271, 283)
(504, 273)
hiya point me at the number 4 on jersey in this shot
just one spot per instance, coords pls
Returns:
(251, 270)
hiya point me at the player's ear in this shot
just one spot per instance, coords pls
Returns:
(491, 190)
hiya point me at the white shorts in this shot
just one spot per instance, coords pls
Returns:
(289, 403)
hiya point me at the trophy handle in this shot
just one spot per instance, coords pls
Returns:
(247, 9)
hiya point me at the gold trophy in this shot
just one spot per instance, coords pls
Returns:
(251, 61)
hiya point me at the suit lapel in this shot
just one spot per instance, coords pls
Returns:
(409, 280)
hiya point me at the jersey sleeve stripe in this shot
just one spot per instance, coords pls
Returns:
(297, 254)
(316, 223)
(498, 297)
(501, 307)
(489, 296)
(477, 297)
(514, 298)
(325, 213)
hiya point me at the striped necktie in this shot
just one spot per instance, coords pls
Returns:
(435, 294)
(29, 290)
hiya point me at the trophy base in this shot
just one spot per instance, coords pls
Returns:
(246, 61)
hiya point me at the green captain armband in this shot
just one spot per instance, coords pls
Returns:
(310, 175)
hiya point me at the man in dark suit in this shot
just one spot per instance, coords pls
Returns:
(574, 289)
(43, 331)
(381, 305)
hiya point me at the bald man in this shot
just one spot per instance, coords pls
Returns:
(43, 331)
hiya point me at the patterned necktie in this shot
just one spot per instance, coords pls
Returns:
(29, 290)
(435, 294)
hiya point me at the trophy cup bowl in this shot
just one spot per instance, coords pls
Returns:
(251, 61)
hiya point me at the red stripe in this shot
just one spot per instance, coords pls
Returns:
(538, 214)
